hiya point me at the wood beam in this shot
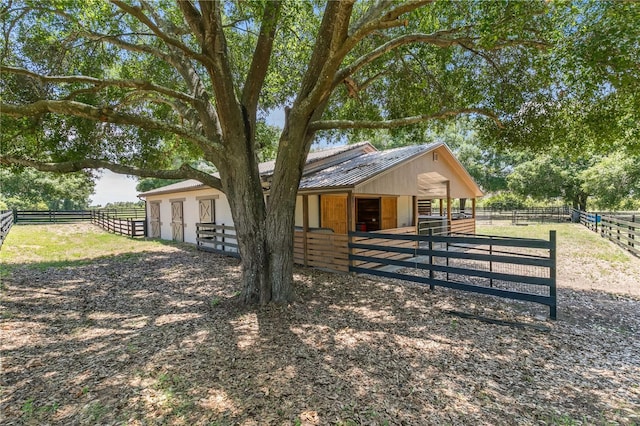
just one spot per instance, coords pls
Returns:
(305, 226)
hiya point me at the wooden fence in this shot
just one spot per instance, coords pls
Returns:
(6, 221)
(621, 228)
(514, 268)
(217, 238)
(65, 216)
(321, 248)
(127, 226)
(51, 216)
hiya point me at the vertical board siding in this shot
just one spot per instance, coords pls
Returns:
(334, 213)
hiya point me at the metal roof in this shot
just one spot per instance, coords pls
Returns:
(361, 168)
(267, 168)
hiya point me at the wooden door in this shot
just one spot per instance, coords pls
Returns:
(177, 221)
(207, 211)
(334, 213)
(154, 219)
(389, 213)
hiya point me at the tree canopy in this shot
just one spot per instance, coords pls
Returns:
(147, 88)
(29, 189)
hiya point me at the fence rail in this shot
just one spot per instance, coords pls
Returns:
(130, 227)
(217, 238)
(65, 216)
(622, 228)
(514, 268)
(6, 221)
(487, 216)
(51, 216)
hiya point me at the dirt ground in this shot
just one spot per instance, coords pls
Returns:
(159, 337)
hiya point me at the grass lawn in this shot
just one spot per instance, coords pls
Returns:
(102, 329)
(65, 244)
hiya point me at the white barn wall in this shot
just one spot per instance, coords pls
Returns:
(191, 211)
(405, 211)
(314, 211)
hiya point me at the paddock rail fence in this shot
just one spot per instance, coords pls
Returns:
(6, 221)
(622, 228)
(130, 227)
(65, 216)
(513, 268)
(217, 238)
(490, 216)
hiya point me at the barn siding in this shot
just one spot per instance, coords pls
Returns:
(191, 211)
(403, 180)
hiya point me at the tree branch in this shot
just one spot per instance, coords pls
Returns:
(136, 12)
(134, 84)
(437, 39)
(400, 122)
(261, 56)
(91, 112)
(184, 172)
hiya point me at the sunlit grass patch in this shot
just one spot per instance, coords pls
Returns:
(63, 245)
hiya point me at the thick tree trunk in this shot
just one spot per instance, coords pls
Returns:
(241, 184)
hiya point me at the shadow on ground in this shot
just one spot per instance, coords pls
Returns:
(160, 338)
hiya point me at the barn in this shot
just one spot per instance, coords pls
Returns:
(350, 188)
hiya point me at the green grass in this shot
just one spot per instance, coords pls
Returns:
(41, 247)
(64, 245)
(571, 238)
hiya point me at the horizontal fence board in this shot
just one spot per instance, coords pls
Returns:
(222, 252)
(493, 291)
(213, 226)
(524, 279)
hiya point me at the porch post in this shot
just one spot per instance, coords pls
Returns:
(415, 212)
(351, 221)
(449, 217)
(305, 226)
(473, 213)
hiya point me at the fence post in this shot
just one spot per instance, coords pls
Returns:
(552, 275)
(15, 215)
(632, 232)
(597, 216)
(222, 245)
(490, 261)
(431, 286)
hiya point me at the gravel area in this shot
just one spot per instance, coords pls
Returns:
(158, 337)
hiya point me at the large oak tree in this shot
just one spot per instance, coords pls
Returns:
(137, 86)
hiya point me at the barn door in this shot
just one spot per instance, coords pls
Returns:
(154, 219)
(177, 221)
(389, 213)
(207, 212)
(334, 213)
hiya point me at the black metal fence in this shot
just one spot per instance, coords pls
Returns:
(6, 221)
(487, 216)
(513, 268)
